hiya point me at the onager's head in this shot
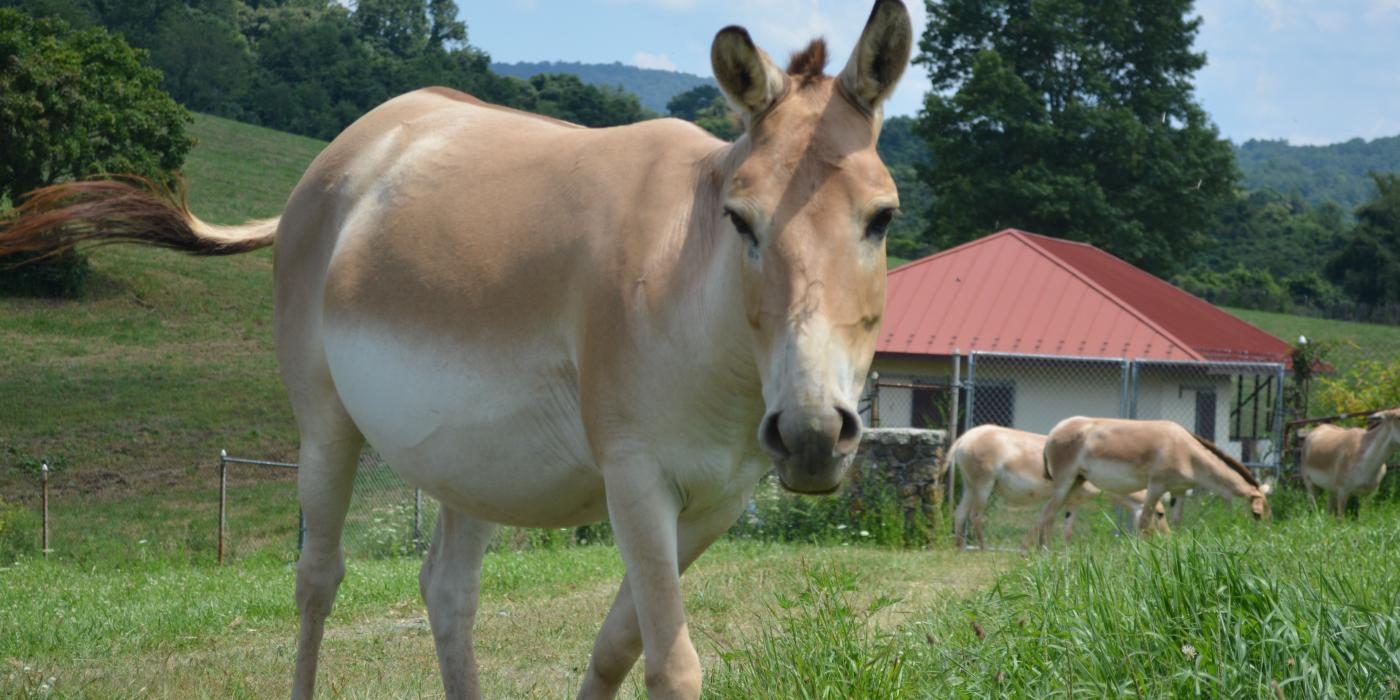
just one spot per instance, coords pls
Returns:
(811, 200)
(1259, 506)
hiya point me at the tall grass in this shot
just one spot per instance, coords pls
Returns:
(1306, 608)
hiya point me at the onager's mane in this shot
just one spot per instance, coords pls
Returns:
(1233, 463)
(807, 65)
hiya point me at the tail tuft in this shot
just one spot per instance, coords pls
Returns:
(125, 209)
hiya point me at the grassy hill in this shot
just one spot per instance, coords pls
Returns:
(1350, 341)
(171, 357)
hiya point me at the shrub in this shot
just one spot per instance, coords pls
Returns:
(60, 276)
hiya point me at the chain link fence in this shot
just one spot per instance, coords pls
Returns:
(1237, 405)
(387, 516)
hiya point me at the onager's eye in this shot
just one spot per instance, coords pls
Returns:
(742, 226)
(880, 223)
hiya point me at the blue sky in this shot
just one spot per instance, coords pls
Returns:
(1309, 71)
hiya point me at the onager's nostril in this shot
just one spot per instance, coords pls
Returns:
(849, 437)
(771, 436)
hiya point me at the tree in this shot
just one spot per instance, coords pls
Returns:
(1070, 119)
(75, 104)
(564, 96)
(705, 105)
(401, 27)
(448, 31)
(1368, 268)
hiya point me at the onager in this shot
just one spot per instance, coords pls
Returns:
(1011, 464)
(1123, 456)
(543, 325)
(1349, 462)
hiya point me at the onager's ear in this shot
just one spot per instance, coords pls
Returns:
(1373, 421)
(880, 56)
(750, 79)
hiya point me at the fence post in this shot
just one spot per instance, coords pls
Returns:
(874, 399)
(971, 389)
(953, 419)
(1123, 390)
(223, 499)
(1280, 443)
(417, 521)
(1133, 401)
(44, 480)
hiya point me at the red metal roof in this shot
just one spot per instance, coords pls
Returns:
(1019, 292)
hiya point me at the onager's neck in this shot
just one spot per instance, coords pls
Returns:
(1375, 443)
(1226, 481)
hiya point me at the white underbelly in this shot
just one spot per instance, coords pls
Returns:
(1114, 476)
(494, 432)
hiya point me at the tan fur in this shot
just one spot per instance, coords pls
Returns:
(1348, 462)
(1124, 456)
(544, 325)
(1011, 464)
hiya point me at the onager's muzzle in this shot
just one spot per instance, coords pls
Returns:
(812, 447)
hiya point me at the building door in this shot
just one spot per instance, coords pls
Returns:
(1205, 414)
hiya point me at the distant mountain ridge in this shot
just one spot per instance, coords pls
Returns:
(655, 87)
(1336, 172)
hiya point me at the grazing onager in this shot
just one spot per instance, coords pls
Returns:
(543, 325)
(1123, 456)
(1011, 464)
(1349, 462)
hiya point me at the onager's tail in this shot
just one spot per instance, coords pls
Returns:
(1229, 461)
(128, 210)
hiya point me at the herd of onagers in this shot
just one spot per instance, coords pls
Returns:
(1137, 462)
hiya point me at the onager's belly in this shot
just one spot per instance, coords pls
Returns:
(1020, 490)
(1117, 477)
(493, 431)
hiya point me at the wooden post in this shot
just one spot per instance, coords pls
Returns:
(223, 500)
(44, 479)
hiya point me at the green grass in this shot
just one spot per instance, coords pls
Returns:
(1306, 608)
(1222, 608)
(179, 630)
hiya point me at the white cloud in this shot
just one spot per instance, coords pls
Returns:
(659, 61)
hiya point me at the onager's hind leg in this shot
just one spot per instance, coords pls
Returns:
(330, 450)
(960, 516)
(1065, 481)
(451, 584)
(619, 642)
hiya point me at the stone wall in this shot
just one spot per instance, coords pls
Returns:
(906, 461)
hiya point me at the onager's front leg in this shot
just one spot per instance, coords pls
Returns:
(619, 641)
(644, 507)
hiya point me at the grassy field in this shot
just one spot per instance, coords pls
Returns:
(1222, 608)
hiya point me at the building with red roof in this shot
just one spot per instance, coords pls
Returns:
(1063, 328)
